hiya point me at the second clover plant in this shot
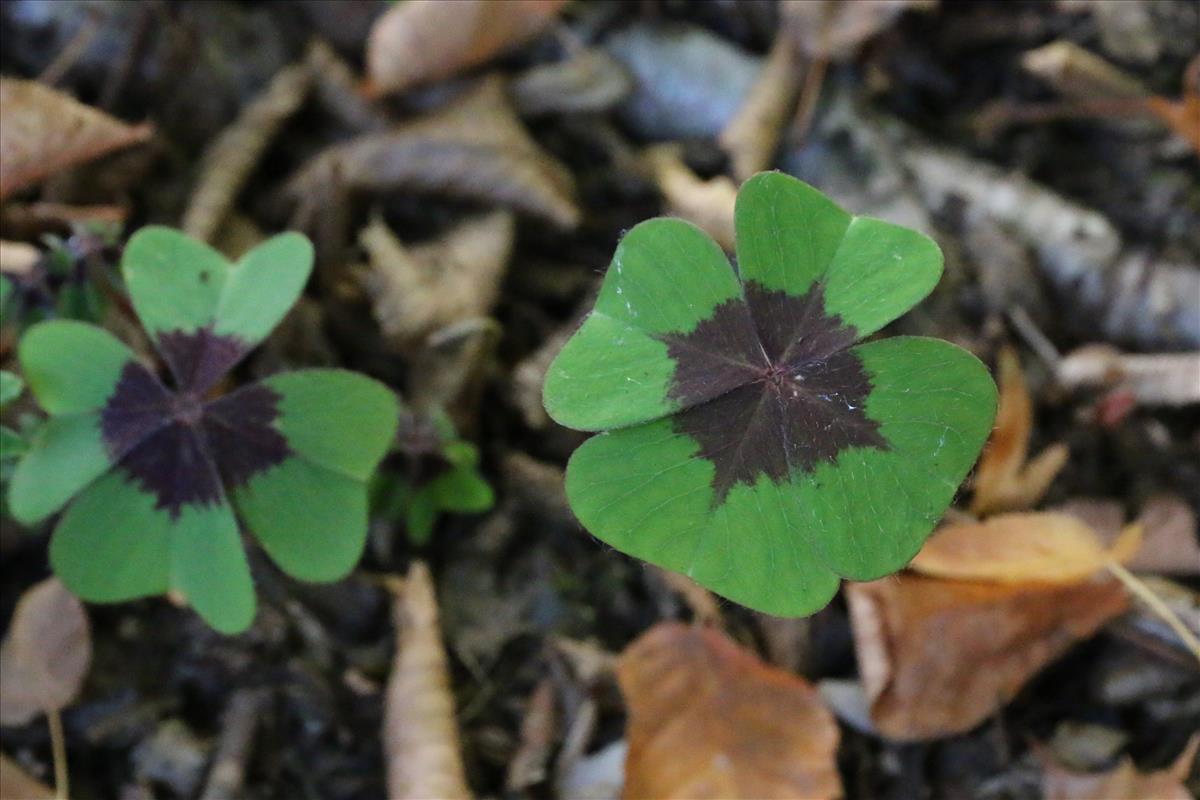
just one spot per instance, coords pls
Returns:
(747, 438)
(155, 476)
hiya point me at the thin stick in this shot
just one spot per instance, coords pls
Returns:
(58, 746)
(1155, 603)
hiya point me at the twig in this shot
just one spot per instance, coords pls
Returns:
(1155, 604)
(228, 771)
(1033, 336)
(58, 746)
(74, 49)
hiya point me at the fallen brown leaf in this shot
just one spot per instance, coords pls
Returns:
(1167, 379)
(1003, 480)
(474, 148)
(46, 131)
(707, 204)
(417, 290)
(835, 29)
(1032, 546)
(45, 655)
(938, 657)
(1123, 782)
(752, 136)
(708, 719)
(420, 734)
(16, 784)
(426, 40)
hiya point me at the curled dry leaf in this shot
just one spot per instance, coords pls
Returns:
(834, 29)
(1124, 782)
(1035, 546)
(938, 657)
(475, 148)
(1163, 379)
(420, 734)
(1003, 480)
(426, 40)
(705, 203)
(418, 290)
(539, 731)
(47, 131)
(708, 719)
(590, 80)
(752, 137)
(235, 152)
(1079, 73)
(46, 654)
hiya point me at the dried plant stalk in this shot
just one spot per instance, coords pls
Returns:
(420, 736)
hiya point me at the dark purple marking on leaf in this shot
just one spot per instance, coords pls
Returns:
(421, 448)
(240, 434)
(138, 406)
(769, 388)
(200, 358)
(180, 448)
(175, 466)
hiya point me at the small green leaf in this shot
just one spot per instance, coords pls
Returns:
(666, 276)
(10, 387)
(340, 420)
(112, 544)
(773, 456)
(462, 490)
(71, 366)
(209, 568)
(12, 446)
(178, 283)
(66, 454)
(312, 521)
(420, 517)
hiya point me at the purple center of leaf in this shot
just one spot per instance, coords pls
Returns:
(768, 387)
(180, 447)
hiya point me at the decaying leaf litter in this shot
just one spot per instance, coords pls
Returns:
(463, 198)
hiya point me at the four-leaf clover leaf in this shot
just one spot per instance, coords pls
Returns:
(158, 474)
(745, 439)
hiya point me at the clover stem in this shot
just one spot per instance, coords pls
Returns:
(1144, 593)
(58, 746)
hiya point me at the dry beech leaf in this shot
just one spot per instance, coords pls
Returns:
(1162, 379)
(1123, 782)
(474, 148)
(708, 719)
(16, 784)
(1032, 546)
(426, 40)
(939, 657)
(835, 28)
(47, 131)
(417, 290)
(1003, 480)
(707, 204)
(420, 734)
(46, 654)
